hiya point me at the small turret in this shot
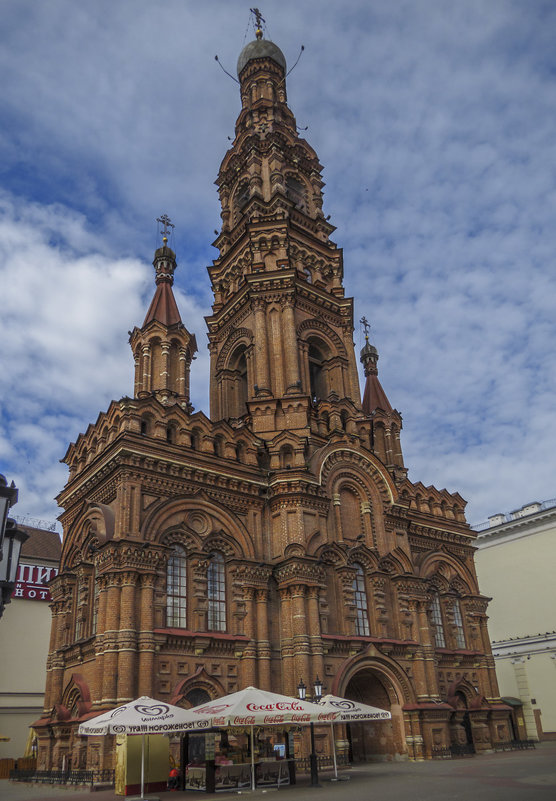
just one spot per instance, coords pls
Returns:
(163, 348)
(387, 422)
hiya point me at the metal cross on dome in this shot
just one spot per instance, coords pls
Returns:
(366, 325)
(167, 223)
(259, 18)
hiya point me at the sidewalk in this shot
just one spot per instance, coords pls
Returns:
(508, 776)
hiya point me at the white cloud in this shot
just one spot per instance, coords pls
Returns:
(435, 125)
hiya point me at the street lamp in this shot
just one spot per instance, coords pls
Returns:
(11, 540)
(317, 695)
(8, 498)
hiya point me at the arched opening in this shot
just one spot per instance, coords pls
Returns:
(196, 439)
(317, 372)
(238, 365)
(295, 191)
(241, 198)
(286, 456)
(374, 741)
(196, 696)
(219, 446)
(350, 514)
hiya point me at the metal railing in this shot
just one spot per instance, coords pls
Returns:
(71, 777)
(303, 764)
(515, 745)
(486, 524)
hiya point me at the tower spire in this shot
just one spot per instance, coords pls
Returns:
(374, 396)
(163, 347)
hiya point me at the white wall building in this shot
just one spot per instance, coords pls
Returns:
(515, 565)
(24, 640)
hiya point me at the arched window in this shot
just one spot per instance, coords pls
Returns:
(241, 198)
(350, 514)
(286, 456)
(360, 598)
(80, 595)
(295, 191)
(239, 365)
(316, 372)
(458, 625)
(196, 439)
(176, 586)
(197, 696)
(216, 590)
(96, 601)
(437, 621)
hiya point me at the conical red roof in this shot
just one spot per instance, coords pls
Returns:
(374, 396)
(163, 307)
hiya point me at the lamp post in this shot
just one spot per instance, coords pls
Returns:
(317, 695)
(11, 540)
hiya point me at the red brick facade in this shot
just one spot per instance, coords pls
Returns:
(281, 538)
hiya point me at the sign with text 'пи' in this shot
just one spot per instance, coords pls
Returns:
(32, 582)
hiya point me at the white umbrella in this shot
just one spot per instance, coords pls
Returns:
(144, 716)
(350, 712)
(254, 707)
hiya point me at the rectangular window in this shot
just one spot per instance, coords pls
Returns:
(176, 606)
(437, 622)
(458, 625)
(216, 580)
(360, 598)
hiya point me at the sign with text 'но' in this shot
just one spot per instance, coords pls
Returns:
(32, 582)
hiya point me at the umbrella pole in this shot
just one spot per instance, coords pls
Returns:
(252, 759)
(142, 765)
(334, 751)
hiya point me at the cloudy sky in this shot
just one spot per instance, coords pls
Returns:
(435, 124)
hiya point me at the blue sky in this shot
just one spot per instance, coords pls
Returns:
(435, 125)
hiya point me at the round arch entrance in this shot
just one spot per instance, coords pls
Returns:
(381, 740)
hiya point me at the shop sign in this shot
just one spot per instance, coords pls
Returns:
(32, 582)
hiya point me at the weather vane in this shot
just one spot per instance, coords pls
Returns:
(259, 19)
(167, 223)
(366, 325)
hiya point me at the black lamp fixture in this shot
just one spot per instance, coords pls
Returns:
(317, 695)
(317, 691)
(11, 540)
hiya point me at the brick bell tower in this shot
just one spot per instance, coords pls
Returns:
(281, 329)
(280, 538)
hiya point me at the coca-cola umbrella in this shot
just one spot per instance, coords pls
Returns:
(350, 712)
(144, 716)
(253, 707)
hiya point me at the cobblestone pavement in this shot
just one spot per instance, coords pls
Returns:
(509, 776)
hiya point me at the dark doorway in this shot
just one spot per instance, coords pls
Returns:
(372, 741)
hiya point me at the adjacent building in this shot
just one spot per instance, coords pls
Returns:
(278, 538)
(522, 613)
(24, 638)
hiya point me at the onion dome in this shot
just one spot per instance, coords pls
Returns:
(260, 48)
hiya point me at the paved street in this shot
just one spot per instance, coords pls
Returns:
(510, 776)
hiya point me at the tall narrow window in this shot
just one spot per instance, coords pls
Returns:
(176, 601)
(79, 621)
(437, 622)
(458, 625)
(316, 373)
(216, 593)
(96, 594)
(360, 598)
